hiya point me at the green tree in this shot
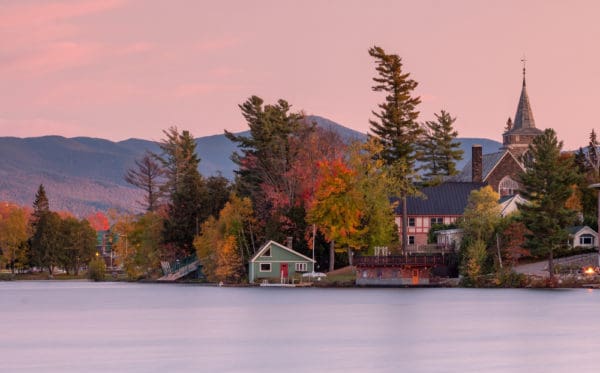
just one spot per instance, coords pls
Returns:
(396, 126)
(440, 148)
(373, 182)
(13, 238)
(78, 244)
(147, 175)
(47, 242)
(547, 183)
(475, 258)
(265, 160)
(41, 206)
(139, 245)
(186, 190)
(217, 194)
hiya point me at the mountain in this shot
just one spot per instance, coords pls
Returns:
(84, 175)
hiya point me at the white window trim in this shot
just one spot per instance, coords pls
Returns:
(414, 240)
(301, 267)
(267, 251)
(261, 270)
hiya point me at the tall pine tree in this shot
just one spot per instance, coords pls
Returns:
(440, 150)
(186, 190)
(41, 206)
(396, 126)
(547, 185)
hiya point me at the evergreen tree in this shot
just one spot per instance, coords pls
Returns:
(146, 175)
(440, 150)
(40, 206)
(266, 159)
(186, 190)
(47, 242)
(396, 126)
(547, 185)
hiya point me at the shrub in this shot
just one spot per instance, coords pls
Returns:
(96, 269)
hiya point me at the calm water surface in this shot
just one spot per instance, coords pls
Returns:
(119, 327)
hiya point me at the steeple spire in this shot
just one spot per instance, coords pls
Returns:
(524, 115)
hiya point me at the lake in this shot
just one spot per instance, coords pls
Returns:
(65, 326)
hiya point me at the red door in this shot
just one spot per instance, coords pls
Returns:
(284, 270)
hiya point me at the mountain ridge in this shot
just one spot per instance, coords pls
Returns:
(83, 174)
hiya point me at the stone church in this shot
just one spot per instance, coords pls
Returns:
(500, 170)
(445, 203)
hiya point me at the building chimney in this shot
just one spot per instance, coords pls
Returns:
(288, 242)
(477, 164)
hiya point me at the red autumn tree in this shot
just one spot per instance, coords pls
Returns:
(98, 221)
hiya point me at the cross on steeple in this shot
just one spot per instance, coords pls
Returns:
(524, 62)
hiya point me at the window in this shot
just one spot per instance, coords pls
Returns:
(435, 221)
(411, 222)
(267, 253)
(411, 240)
(508, 186)
(586, 239)
(301, 267)
(265, 267)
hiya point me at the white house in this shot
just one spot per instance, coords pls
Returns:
(582, 236)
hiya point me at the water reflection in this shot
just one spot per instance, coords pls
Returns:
(100, 327)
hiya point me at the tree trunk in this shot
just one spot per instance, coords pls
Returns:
(350, 256)
(551, 264)
(404, 224)
(331, 255)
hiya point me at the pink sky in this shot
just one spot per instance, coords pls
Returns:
(117, 69)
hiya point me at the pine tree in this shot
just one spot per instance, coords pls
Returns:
(41, 206)
(396, 126)
(440, 150)
(186, 190)
(266, 159)
(547, 185)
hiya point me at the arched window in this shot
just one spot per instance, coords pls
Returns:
(507, 186)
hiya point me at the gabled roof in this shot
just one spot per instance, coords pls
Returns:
(510, 203)
(489, 163)
(446, 199)
(579, 228)
(264, 248)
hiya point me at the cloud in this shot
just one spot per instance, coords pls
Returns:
(52, 57)
(21, 15)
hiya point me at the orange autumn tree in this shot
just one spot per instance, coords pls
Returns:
(338, 206)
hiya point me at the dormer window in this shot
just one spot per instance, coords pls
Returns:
(267, 252)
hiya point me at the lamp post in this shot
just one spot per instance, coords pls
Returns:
(597, 187)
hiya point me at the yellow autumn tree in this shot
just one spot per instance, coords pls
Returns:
(229, 264)
(482, 214)
(13, 237)
(224, 246)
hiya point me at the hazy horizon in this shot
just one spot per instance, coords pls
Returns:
(120, 69)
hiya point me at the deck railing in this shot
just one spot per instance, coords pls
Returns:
(401, 260)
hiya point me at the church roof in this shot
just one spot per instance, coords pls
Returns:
(489, 161)
(524, 122)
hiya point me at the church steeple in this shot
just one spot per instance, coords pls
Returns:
(517, 137)
(524, 115)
